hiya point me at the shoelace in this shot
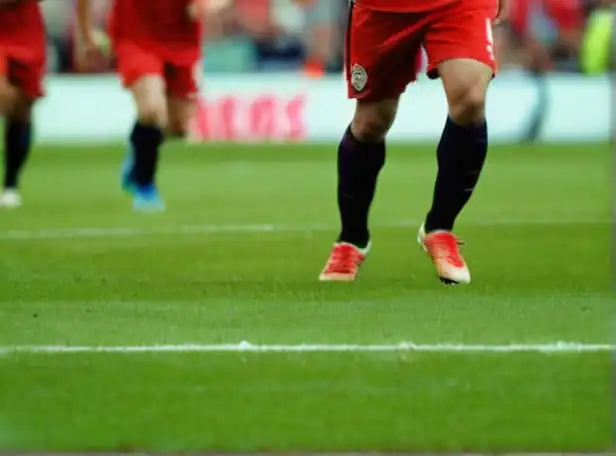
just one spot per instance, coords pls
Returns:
(344, 258)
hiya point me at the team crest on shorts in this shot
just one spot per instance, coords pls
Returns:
(359, 77)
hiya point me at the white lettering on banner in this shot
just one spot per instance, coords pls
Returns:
(262, 118)
(285, 107)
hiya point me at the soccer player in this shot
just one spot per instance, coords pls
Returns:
(383, 40)
(22, 67)
(157, 44)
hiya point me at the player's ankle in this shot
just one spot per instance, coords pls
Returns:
(436, 221)
(361, 242)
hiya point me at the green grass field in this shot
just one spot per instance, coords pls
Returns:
(236, 258)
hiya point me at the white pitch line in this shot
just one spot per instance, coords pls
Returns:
(75, 233)
(247, 347)
(72, 233)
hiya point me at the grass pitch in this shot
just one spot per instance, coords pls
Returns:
(236, 257)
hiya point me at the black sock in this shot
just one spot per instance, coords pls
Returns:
(359, 164)
(17, 140)
(461, 154)
(146, 141)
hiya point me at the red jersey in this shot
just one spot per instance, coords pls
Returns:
(417, 6)
(22, 29)
(162, 25)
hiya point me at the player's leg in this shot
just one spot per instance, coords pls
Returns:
(146, 137)
(182, 93)
(17, 146)
(375, 80)
(8, 91)
(460, 50)
(20, 86)
(181, 113)
(13, 158)
(142, 73)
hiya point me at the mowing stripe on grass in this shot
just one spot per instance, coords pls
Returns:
(247, 347)
(73, 233)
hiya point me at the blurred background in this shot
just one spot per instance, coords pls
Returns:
(307, 35)
(271, 66)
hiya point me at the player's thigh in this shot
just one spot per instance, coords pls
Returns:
(382, 58)
(460, 50)
(183, 81)
(149, 96)
(381, 53)
(183, 84)
(142, 72)
(460, 31)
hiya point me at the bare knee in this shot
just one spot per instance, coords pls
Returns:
(468, 106)
(16, 105)
(373, 120)
(150, 100)
(466, 83)
(22, 108)
(154, 114)
(8, 96)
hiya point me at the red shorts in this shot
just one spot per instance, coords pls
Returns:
(384, 49)
(23, 47)
(25, 73)
(134, 62)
